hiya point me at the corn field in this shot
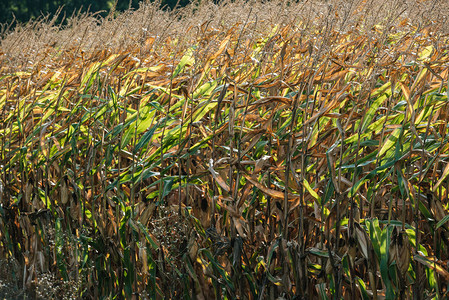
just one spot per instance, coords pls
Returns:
(239, 150)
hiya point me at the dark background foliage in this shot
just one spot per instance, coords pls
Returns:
(23, 10)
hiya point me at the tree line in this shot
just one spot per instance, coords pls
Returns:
(21, 11)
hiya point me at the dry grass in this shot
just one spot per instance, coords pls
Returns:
(234, 150)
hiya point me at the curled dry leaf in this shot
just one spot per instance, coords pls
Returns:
(273, 193)
(261, 163)
(217, 177)
(147, 212)
(64, 192)
(143, 258)
(399, 250)
(28, 192)
(432, 264)
(192, 247)
(363, 240)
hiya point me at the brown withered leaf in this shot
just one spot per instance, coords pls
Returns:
(272, 193)
(192, 246)
(64, 192)
(218, 178)
(363, 240)
(28, 191)
(261, 163)
(432, 264)
(400, 250)
(146, 212)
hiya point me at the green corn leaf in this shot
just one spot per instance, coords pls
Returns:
(187, 60)
(442, 222)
